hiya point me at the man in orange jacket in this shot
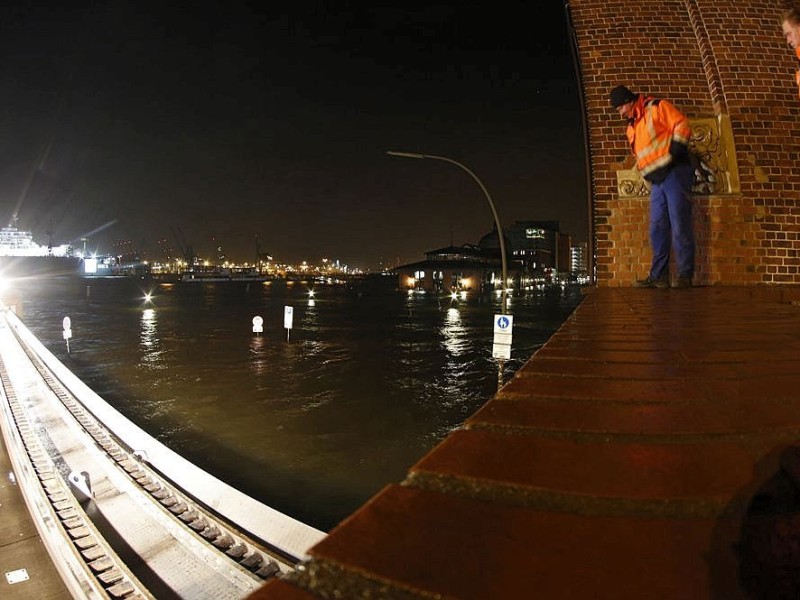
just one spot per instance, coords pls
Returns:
(659, 137)
(791, 31)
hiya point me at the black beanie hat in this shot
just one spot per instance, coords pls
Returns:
(621, 95)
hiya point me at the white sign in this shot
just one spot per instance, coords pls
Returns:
(503, 326)
(67, 323)
(17, 576)
(502, 338)
(503, 323)
(288, 313)
(258, 325)
(501, 351)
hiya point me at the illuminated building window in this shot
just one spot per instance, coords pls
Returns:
(534, 233)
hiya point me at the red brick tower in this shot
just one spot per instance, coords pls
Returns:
(726, 65)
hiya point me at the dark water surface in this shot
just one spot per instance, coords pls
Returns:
(370, 380)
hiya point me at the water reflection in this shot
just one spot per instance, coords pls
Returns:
(148, 340)
(258, 359)
(453, 332)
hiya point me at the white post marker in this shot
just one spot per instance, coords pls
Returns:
(503, 327)
(258, 325)
(288, 313)
(67, 323)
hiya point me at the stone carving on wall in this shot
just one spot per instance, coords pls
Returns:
(715, 161)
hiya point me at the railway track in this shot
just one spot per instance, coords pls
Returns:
(115, 522)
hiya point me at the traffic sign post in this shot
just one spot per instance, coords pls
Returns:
(288, 314)
(503, 332)
(258, 325)
(67, 324)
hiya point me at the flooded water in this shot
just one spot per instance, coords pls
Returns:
(368, 381)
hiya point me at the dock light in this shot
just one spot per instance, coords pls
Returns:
(148, 297)
(310, 293)
(454, 295)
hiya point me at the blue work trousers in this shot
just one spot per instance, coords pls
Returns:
(671, 223)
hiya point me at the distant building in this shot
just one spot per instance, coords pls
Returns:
(541, 251)
(536, 253)
(579, 267)
(467, 268)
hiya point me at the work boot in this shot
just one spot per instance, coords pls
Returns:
(649, 282)
(682, 282)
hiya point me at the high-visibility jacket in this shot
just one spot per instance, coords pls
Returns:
(659, 136)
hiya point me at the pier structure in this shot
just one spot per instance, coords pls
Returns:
(119, 514)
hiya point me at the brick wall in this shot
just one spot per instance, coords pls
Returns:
(712, 59)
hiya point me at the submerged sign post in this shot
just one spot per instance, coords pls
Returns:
(258, 325)
(67, 324)
(288, 313)
(503, 326)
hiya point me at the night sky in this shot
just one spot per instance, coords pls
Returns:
(234, 122)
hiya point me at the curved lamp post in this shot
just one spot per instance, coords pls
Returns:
(503, 300)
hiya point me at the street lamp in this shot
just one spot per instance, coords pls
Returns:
(499, 228)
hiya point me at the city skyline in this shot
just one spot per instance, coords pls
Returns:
(234, 125)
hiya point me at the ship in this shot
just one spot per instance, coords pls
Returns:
(21, 256)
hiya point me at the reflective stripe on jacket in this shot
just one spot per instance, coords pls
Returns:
(655, 126)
